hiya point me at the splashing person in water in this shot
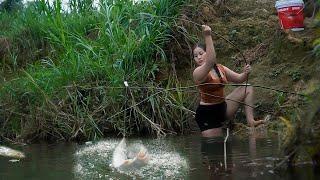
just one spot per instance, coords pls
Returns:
(214, 108)
(125, 158)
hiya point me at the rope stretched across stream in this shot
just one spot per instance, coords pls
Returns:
(220, 36)
(194, 86)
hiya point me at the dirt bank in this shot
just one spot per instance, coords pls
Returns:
(277, 61)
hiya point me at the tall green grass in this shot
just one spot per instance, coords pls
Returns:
(68, 62)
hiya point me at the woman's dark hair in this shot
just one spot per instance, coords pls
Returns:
(200, 45)
(215, 67)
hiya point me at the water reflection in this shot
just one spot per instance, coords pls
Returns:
(43, 161)
(253, 136)
(214, 159)
(251, 156)
(184, 157)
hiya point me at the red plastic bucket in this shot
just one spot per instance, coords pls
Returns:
(290, 13)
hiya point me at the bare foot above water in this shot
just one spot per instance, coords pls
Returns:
(256, 123)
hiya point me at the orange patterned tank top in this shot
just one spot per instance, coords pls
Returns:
(213, 93)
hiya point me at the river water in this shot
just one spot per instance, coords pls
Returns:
(183, 157)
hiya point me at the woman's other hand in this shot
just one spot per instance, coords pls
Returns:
(247, 69)
(206, 30)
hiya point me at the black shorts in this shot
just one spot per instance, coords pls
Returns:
(211, 116)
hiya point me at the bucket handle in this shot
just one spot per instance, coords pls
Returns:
(293, 13)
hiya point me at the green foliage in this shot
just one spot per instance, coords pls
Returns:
(58, 52)
(276, 72)
(295, 75)
(11, 5)
(280, 100)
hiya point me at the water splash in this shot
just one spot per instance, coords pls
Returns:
(130, 157)
(100, 160)
(119, 154)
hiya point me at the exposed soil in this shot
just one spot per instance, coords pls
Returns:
(277, 61)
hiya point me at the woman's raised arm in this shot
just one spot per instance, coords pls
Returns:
(201, 72)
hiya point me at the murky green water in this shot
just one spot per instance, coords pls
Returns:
(187, 157)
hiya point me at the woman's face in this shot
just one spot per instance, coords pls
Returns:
(199, 55)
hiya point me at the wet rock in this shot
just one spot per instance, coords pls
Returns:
(14, 160)
(8, 152)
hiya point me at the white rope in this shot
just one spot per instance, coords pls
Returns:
(126, 84)
(225, 149)
(124, 117)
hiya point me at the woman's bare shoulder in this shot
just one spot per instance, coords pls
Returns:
(198, 77)
(196, 73)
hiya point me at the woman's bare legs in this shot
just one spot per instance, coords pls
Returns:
(245, 95)
(214, 132)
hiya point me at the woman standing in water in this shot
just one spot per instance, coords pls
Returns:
(214, 108)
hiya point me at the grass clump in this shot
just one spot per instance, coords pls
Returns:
(63, 62)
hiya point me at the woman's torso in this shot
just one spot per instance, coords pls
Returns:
(212, 89)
